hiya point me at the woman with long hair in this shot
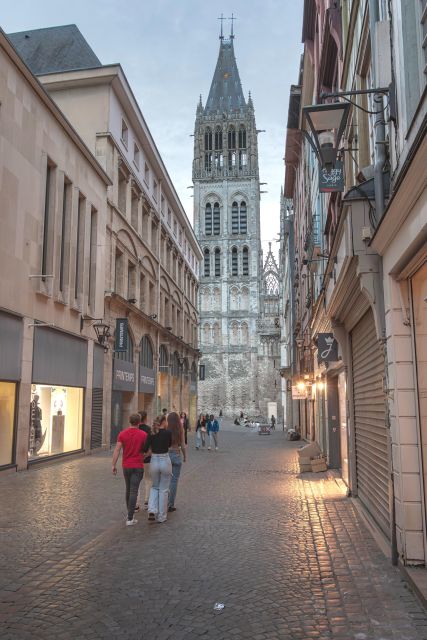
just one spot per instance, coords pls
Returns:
(184, 422)
(158, 442)
(177, 455)
(201, 431)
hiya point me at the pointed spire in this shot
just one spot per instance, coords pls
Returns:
(250, 103)
(221, 37)
(232, 26)
(199, 110)
(226, 92)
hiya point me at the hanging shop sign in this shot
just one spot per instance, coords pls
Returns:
(121, 335)
(146, 380)
(332, 180)
(299, 392)
(327, 348)
(124, 378)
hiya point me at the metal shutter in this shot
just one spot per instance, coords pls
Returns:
(96, 421)
(371, 433)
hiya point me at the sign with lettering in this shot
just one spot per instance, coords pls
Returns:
(124, 378)
(121, 335)
(327, 348)
(332, 180)
(299, 392)
(147, 380)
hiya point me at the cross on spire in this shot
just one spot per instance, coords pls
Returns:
(221, 37)
(232, 25)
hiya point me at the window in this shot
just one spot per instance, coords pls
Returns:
(146, 357)
(208, 139)
(136, 155)
(245, 261)
(175, 365)
(162, 205)
(231, 138)
(127, 355)
(122, 188)
(234, 262)
(242, 137)
(118, 272)
(65, 231)
(163, 359)
(146, 174)
(47, 221)
(208, 219)
(243, 218)
(92, 256)
(218, 139)
(206, 334)
(79, 256)
(175, 228)
(216, 219)
(235, 218)
(207, 264)
(131, 281)
(234, 338)
(134, 209)
(169, 217)
(7, 404)
(155, 187)
(216, 334)
(217, 262)
(125, 133)
(244, 333)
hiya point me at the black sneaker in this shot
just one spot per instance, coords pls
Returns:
(151, 517)
(171, 508)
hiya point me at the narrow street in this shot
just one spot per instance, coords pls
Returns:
(288, 556)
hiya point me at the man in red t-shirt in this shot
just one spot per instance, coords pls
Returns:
(132, 441)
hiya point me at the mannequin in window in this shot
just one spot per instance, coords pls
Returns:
(36, 437)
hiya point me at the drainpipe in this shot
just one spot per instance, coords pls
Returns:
(380, 160)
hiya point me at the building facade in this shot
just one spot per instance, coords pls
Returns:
(359, 277)
(227, 225)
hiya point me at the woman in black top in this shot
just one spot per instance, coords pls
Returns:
(158, 442)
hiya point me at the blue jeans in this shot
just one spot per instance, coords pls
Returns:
(176, 460)
(160, 472)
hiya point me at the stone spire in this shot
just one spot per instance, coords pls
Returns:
(226, 92)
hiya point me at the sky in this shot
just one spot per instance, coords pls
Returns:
(168, 50)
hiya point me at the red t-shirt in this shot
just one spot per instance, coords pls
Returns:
(133, 441)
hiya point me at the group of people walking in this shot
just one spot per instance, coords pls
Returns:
(156, 454)
(207, 429)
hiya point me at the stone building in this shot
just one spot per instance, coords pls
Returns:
(227, 225)
(151, 253)
(53, 196)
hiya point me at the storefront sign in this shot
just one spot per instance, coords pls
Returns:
(147, 379)
(299, 392)
(332, 180)
(121, 336)
(124, 378)
(327, 348)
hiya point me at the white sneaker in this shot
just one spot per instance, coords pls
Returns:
(209, 448)
(129, 523)
(216, 448)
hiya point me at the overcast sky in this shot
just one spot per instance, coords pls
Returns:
(168, 50)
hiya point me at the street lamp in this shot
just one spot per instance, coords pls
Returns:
(325, 124)
(102, 331)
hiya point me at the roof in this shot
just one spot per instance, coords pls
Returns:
(54, 49)
(226, 92)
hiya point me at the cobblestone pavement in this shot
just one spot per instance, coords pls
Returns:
(287, 555)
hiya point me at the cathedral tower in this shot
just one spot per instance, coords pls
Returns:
(227, 225)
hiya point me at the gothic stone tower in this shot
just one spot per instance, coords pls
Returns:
(227, 225)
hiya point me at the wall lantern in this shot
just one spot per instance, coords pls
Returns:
(323, 126)
(102, 331)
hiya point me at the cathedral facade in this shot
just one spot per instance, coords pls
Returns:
(227, 225)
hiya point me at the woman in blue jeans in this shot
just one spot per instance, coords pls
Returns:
(158, 442)
(177, 454)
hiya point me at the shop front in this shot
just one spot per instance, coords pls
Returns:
(146, 378)
(123, 390)
(192, 412)
(163, 380)
(10, 375)
(57, 394)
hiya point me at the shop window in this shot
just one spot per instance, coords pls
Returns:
(163, 359)
(56, 419)
(7, 419)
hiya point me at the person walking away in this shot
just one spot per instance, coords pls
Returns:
(145, 486)
(273, 422)
(132, 441)
(177, 454)
(158, 443)
(213, 428)
(201, 431)
(184, 423)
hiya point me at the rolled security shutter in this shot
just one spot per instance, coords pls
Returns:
(96, 419)
(372, 445)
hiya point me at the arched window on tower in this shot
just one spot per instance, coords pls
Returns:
(244, 333)
(235, 218)
(234, 262)
(217, 299)
(234, 299)
(234, 337)
(208, 219)
(208, 149)
(206, 334)
(243, 218)
(242, 137)
(216, 219)
(207, 263)
(245, 261)
(231, 147)
(244, 299)
(216, 334)
(243, 156)
(217, 262)
(218, 139)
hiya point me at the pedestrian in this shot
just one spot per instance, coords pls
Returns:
(273, 422)
(185, 424)
(165, 412)
(158, 443)
(177, 454)
(144, 488)
(201, 432)
(213, 428)
(132, 441)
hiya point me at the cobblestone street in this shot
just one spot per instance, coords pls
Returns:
(287, 555)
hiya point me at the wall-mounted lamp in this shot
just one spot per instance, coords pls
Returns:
(132, 300)
(153, 316)
(102, 330)
(168, 328)
(324, 125)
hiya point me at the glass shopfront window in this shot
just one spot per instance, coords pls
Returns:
(7, 420)
(56, 420)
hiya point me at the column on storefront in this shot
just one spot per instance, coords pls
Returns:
(163, 401)
(123, 395)
(176, 383)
